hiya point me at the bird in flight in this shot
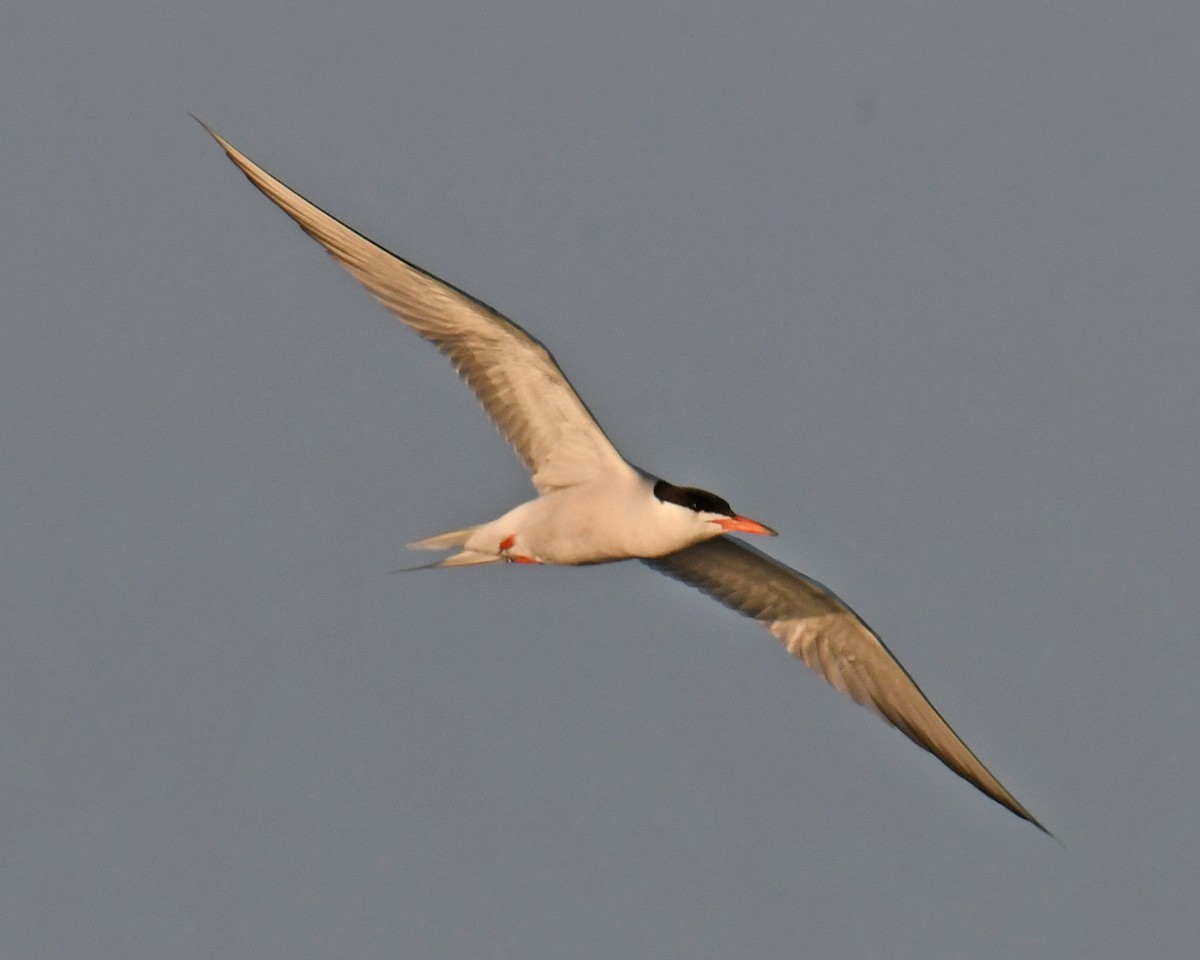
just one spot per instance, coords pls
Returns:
(593, 506)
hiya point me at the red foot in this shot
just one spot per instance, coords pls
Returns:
(507, 544)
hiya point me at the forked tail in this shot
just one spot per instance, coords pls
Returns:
(448, 541)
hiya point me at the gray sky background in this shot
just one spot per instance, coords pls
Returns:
(915, 283)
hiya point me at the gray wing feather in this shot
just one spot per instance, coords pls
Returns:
(513, 374)
(815, 626)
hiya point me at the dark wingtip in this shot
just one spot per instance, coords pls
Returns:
(1024, 814)
(421, 566)
(1038, 824)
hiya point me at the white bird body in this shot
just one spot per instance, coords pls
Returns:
(618, 518)
(594, 507)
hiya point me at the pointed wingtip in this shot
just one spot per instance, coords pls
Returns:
(421, 566)
(221, 141)
(209, 130)
(1040, 826)
(1011, 804)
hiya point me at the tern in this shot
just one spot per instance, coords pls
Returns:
(593, 506)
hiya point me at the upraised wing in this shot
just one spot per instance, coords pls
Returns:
(515, 377)
(829, 637)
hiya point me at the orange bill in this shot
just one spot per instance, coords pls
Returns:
(744, 525)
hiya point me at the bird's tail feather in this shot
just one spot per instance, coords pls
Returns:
(448, 541)
(470, 558)
(466, 558)
(444, 541)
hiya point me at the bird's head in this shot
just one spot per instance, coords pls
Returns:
(707, 509)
